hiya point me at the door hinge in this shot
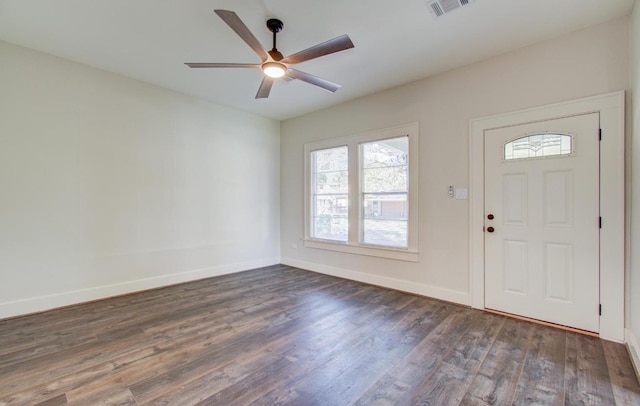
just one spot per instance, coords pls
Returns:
(600, 222)
(600, 134)
(600, 310)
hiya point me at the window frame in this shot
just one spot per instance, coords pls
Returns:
(354, 244)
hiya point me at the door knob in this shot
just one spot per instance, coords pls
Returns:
(490, 229)
(490, 216)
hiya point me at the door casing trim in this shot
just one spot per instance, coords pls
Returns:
(612, 273)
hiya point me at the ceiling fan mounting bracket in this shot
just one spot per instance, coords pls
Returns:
(274, 25)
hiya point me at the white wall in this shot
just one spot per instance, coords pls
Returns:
(585, 63)
(633, 332)
(110, 185)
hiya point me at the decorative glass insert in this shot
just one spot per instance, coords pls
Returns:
(538, 145)
(384, 180)
(330, 197)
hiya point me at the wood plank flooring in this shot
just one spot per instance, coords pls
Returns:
(281, 335)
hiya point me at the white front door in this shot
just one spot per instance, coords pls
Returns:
(542, 220)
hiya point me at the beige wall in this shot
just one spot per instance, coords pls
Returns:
(109, 185)
(589, 62)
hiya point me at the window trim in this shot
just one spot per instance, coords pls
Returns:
(353, 244)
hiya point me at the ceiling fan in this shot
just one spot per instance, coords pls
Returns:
(274, 65)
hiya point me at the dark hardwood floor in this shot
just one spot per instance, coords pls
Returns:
(281, 335)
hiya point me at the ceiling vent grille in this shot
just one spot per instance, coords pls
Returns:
(441, 7)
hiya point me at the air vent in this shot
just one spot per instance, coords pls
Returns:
(441, 7)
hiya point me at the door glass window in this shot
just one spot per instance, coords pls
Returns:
(538, 145)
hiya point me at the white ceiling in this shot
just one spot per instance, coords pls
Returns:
(396, 42)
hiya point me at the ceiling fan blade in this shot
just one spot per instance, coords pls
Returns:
(265, 88)
(329, 47)
(221, 65)
(314, 80)
(236, 24)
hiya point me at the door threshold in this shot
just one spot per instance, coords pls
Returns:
(544, 323)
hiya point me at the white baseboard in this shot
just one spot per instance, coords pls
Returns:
(384, 281)
(634, 350)
(48, 302)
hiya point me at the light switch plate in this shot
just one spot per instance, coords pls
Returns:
(461, 193)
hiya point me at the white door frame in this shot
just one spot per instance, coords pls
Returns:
(611, 109)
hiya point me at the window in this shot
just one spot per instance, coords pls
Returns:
(361, 193)
(538, 145)
(330, 198)
(384, 175)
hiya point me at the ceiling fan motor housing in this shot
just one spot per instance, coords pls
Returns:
(275, 54)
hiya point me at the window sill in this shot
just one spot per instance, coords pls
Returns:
(381, 252)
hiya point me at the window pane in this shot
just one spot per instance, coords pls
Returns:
(330, 194)
(538, 145)
(331, 205)
(385, 175)
(385, 206)
(390, 179)
(332, 159)
(389, 233)
(332, 182)
(329, 228)
(392, 152)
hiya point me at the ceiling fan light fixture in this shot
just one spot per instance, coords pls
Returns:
(274, 69)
